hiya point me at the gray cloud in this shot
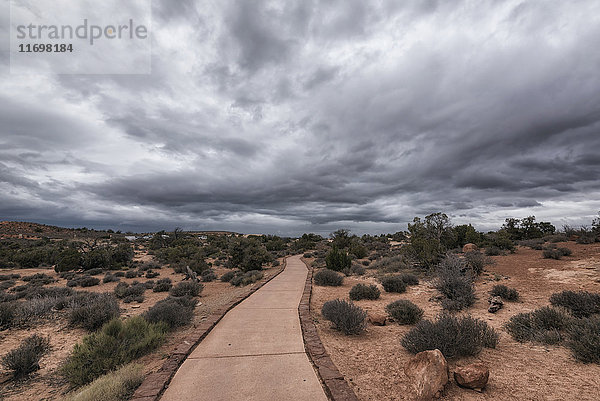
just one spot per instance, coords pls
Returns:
(279, 117)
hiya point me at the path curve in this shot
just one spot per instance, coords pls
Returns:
(256, 352)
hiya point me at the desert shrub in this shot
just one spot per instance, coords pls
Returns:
(33, 309)
(5, 285)
(556, 253)
(131, 274)
(25, 359)
(355, 269)
(114, 386)
(404, 312)
(241, 279)
(109, 278)
(5, 277)
(546, 325)
(580, 303)
(151, 274)
(162, 285)
(186, 288)
(208, 275)
(556, 238)
(409, 278)
(476, 261)
(328, 277)
(174, 312)
(149, 284)
(345, 316)
(91, 311)
(359, 251)
(337, 260)
(365, 263)
(226, 277)
(454, 336)
(48, 292)
(394, 284)
(565, 251)
(276, 263)
(117, 343)
(7, 314)
(584, 339)
(130, 292)
(88, 281)
(38, 279)
(455, 284)
(119, 274)
(504, 292)
(493, 251)
(134, 298)
(391, 264)
(536, 243)
(307, 255)
(72, 283)
(94, 272)
(364, 291)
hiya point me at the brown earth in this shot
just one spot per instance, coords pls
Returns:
(47, 383)
(373, 361)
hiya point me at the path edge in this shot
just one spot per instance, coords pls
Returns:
(155, 384)
(335, 385)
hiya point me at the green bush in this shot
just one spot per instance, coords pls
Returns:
(114, 386)
(328, 277)
(394, 284)
(364, 291)
(493, 251)
(126, 291)
(454, 336)
(476, 261)
(208, 275)
(25, 359)
(88, 281)
(242, 279)
(119, 342)
(109, 278)
(409, 278)
(354, 270)
(186, 288)
(504, 292)
(7, 314)
(404, 312)
(345, 316)
(175, 312)
(91, 311)
(226, 277)
(162, 285)
(455, 284)
(391, 264)
(580, 303)
(545, 325)
(584, 339)
(337, 260)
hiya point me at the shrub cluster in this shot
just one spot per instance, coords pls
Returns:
(394, 284)
(354, 270)
(545, 325)
(584, 339)
(504, 292)
(114, 386)
(174, 312)
(91, 311)
(186, 288)
(226, 277)
(364, 291)
(162, 285)
(119, 342)
(455, 283)
(25, 359)
(556, 253)
(454, 336)
(328, 277)
(208, 275)
(242, 279)
(338, 260)
(404, 312)
(345, 316)
(129, 293)
(580, 303)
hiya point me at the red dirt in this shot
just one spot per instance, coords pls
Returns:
(373, 362)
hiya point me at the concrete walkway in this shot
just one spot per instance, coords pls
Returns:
(255, 352)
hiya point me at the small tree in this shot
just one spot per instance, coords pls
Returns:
(337, 260)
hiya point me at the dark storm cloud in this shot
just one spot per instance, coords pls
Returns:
(281, 117)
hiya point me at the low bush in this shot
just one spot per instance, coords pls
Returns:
(556, 253)
(579, 303)
(5, 285)
(337, 260)
(131, 274)
(162, 285)
(354, 270)
(493, 251)
(392, 264)
(404, 312)
(226, 277)
(345, 316)
(394, 284)
(114, 386)
(25, 359)
(7, 314)
(186, 288)
(364, 291)
(109, 278)
(584, 339)
(29, 311)
(242, 279)
(409, 278)
(476, 261)
(117, 343)
(126, 291)
(545, 325)
(328, 277)
(94, 272)
(174, 312)
(455, 284)
(536, 244)
(208, 275)
(152, 274)
(454, 336)
(504, 292)
(88, 281)
(91, 311)
(38, 279)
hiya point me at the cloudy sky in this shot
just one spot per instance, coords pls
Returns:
(295, 116)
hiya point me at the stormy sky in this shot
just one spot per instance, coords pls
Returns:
(295, 116)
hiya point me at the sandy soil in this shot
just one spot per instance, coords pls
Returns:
(47, 383)
(373, 362)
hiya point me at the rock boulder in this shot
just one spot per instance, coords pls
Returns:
(427, 372)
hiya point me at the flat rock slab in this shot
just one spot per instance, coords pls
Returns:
(256, 352)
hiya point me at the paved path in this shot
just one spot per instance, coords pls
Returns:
(255, 352)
